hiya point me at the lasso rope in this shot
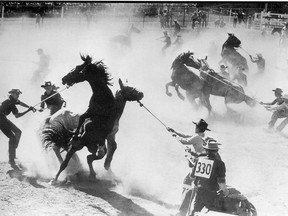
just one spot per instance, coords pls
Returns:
(51, 96)
(229, 85)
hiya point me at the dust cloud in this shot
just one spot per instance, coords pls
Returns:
(149, 161)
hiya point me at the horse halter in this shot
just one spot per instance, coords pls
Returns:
(131, 93)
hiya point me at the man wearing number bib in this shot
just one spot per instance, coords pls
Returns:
(209, 175)
(197, 141)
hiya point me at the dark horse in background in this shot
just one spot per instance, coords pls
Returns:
(100, 117)
(183, 77)
(230, 55)
(124, 40)
(214, 84)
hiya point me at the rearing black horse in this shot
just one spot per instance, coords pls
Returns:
(97, 122)
(230, 55)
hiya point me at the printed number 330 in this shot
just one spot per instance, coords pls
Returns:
(204, 168)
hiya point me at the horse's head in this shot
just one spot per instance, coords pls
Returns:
(250, 101)
(204, 64)
(232, 41)
(87, 71)
(76, 75)
(186, 58)
(130, 93)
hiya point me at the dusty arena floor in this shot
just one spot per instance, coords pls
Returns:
(149, 163)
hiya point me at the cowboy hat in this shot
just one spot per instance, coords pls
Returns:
(39, 50)
(223, 66)
(202, 124)
(12, 91)
(278, 90)
(211, 144)
(259, 54)
(47, 84)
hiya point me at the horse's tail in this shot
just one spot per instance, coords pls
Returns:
(55, 135)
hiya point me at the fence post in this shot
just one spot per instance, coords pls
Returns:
(62, 12)
(2, 15)
(184, 14)
(230, 13)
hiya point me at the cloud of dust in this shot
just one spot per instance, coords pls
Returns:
(149, 161)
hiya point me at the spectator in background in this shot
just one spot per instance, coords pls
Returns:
(194, 18)
(235, 19)
(43, 66)
(38, 19)
(177, 27)
(162, 20)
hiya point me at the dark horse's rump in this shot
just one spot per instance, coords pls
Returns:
(230, 55)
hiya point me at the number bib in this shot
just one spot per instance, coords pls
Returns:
(204, 168)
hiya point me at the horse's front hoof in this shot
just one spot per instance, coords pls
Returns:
(169, 94)
(53, 182)
(181, 97)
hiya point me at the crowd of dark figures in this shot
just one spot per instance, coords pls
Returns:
(97, 127)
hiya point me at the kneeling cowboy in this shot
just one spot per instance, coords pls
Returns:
(55, 102)
(7, 127)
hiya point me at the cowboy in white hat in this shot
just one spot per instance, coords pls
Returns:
(260, 61)
(210, 173)
(7, 127)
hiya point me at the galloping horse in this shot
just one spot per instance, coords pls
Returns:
(185, 78)
(57, 133)
(214, 84)
(124, 40)
(100, 116)
(231, 56)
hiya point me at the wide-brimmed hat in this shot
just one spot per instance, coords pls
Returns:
(12, 91)
(211, 144)
(259, 54)
(202, 124)
(223, 66)
(39, 50)
(278, 90)
(47, 84)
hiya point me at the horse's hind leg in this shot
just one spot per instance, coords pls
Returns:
(90, 159)
(58, 154)
(191, 99)
(178, 92)
(64, 164)
(111, 148)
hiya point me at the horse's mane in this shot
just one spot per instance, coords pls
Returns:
(102, 72)
(181, 58)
